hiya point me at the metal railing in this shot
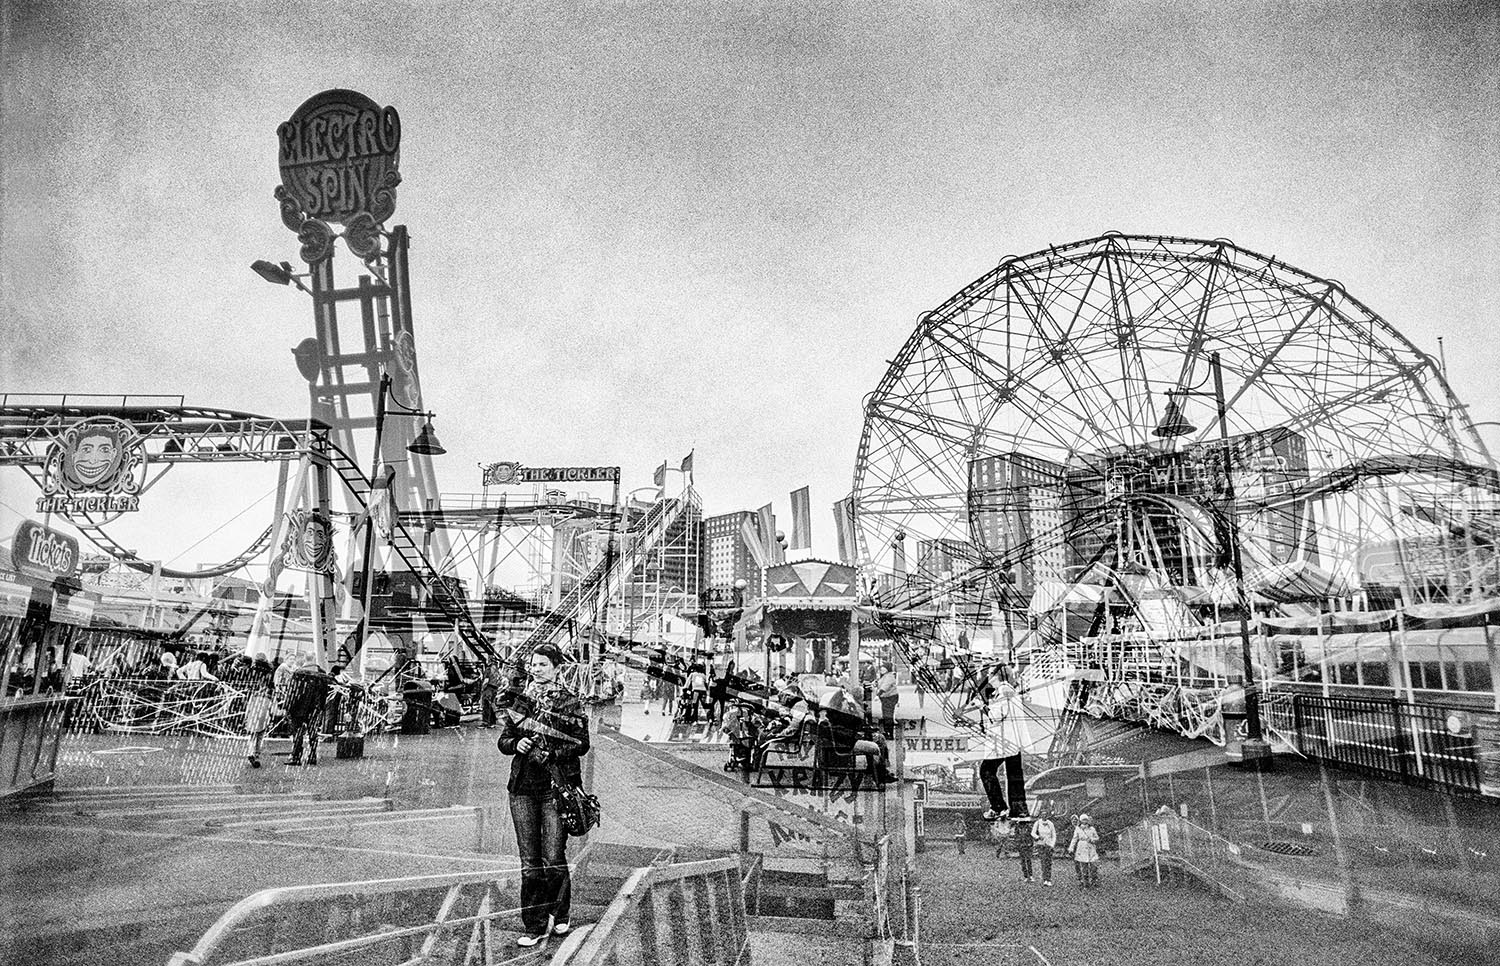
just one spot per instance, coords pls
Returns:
(1171, 842)
(464, 917)
(1389, 738)
(692, 913)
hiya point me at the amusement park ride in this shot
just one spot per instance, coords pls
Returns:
(1076, 509)
(1078, 518)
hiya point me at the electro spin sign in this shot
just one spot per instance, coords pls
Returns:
(339, 155)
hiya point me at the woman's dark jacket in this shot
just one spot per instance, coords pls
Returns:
(555, 717)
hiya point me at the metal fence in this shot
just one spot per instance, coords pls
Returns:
(1170, 842)
(682, 915)
(1390, 738)
(465, 918)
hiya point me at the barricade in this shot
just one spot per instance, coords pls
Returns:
(675, 915)
(415, 920)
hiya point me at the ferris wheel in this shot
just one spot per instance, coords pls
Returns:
(1119, 410)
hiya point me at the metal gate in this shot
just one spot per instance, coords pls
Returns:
(1390, 738)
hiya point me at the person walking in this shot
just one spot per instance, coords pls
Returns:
(695, 695)
(546, 733)
(718, 691)
(307, 695)
(672, 679)
(1085, 849)
(1044, 835)
(1020, 837)
(256, 681)
(492, 678)
(889, 693)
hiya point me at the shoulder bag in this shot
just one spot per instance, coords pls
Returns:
(578, 809)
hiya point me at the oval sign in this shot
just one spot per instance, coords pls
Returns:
(43, 552)
(339, 156)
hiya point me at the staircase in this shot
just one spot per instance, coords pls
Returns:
(604, 580)
(441, 592)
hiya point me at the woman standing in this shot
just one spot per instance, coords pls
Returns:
(1085, 849)
(256, 680)
(547, 733)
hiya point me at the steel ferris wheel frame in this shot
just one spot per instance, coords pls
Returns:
(1044, 379)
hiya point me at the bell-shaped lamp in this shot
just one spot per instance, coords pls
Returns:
(426, 443)
(1173, 423)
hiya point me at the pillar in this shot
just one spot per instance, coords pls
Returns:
(854, 650)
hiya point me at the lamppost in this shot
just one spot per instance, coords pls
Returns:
(1255, 750)
(426, 444)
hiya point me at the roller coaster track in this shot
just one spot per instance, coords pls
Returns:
(181, 434)
(1348, 477)
(604, 580)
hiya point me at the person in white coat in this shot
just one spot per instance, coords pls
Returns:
(1002, 723)
(1085, 849)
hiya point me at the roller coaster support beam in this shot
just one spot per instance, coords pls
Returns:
(320, 585)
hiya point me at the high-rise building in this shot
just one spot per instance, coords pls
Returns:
(726, 556)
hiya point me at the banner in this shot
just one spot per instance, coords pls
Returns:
(750, 533)
(766, 517)
(801, 520)
(843, 522)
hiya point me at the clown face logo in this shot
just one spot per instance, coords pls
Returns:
(100, 455)
(309, 543)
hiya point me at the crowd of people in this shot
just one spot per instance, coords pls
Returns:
(1034, 840)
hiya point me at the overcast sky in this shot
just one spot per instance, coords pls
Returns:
(641, 229)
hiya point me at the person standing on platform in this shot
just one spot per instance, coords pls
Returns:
(1044, 834)
(1085, 849)
(547, 733)
(889, 693)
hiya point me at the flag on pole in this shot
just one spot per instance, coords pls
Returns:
(660, 476)
(801, 520)
(766, 517)
(843, 522)
(687, 466)
(750, 533)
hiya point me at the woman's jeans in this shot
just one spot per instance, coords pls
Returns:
(546, 889)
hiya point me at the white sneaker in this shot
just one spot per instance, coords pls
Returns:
(526, 942)
(561, 929)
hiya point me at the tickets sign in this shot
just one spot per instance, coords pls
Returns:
(43, 552)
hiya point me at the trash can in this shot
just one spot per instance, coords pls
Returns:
(417, 718)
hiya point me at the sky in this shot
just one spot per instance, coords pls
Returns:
(646, 229)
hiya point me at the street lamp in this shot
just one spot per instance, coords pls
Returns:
(426, 444)
(1256, 750)
(279, 274)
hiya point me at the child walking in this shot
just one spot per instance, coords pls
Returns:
(1085, 849)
